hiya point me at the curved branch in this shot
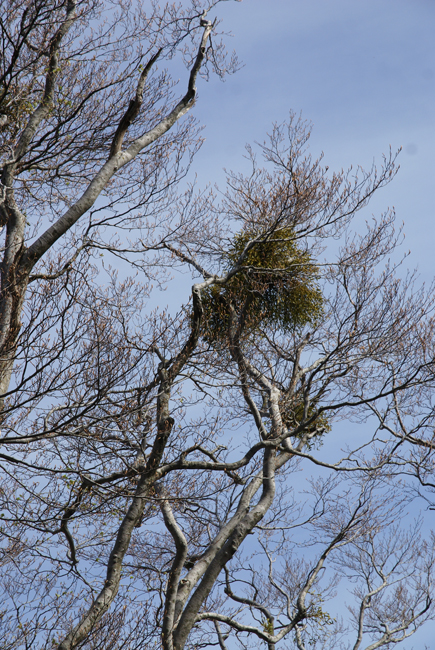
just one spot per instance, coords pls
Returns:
(116, 162)
(176, 568)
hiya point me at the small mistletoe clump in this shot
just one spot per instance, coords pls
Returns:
(277, 285)
(293, 414)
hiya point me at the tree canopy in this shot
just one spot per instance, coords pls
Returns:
(171, 477)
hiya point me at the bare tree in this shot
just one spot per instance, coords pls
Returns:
(151, 460)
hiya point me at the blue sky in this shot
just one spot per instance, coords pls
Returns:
(362, 71)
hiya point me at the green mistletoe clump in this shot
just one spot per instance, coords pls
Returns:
(277, 287)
